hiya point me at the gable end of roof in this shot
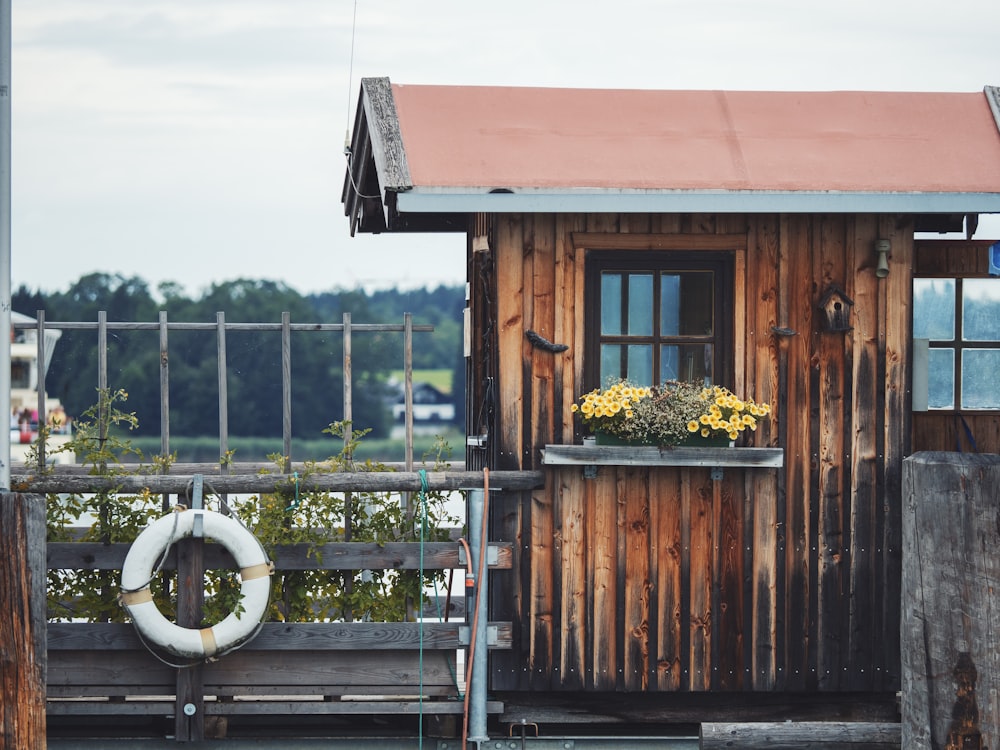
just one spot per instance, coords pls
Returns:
(386, 139)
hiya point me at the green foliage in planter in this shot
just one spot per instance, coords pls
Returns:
(286, 516)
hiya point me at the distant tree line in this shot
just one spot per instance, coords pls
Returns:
(254, 358)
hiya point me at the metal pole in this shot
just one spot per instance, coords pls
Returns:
(480, 661)
(5, 297)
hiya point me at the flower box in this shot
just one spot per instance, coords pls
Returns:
(672, 414)
(694, 440)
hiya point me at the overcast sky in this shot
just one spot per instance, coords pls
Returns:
(200, 141)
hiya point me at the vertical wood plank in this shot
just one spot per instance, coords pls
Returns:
(621, 585)
(702, 574)
(571, 549)
(832, 547)
(764, 565)
(602, 527)
(665, 523)
(865, 505)
(636, 584)
(510, 323)
(541, 646)
(23, 655)
(564, 325)
(897, 291)
(727, 667)
(796, 286)
(540, 316)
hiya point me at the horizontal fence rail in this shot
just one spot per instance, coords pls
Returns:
(234, 483)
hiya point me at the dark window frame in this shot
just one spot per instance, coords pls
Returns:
(721, 262)
(958, 344)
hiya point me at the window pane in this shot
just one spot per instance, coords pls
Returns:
(640, 364)
(611, 304)
(981, 310)
(670, 304)
(934, 309)
(691, 362)
(640, 304)
(979, 379)
(941, 379)
(611, 363)
(687, 303)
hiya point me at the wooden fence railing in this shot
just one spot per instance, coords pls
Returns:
(288, 669)
(103, 670)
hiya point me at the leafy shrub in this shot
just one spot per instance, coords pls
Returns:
(285, 516)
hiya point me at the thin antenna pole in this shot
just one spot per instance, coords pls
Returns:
(350, 63)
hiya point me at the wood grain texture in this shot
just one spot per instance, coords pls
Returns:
(22, 621)
(758, 581)
(950, 584)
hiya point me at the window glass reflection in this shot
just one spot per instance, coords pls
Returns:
(934, 309)
(981, 309)
(979, 379)
(611, 304)
(941, 379)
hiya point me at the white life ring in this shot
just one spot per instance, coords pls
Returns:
(255, 587)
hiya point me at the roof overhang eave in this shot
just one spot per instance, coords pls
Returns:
(583, 200)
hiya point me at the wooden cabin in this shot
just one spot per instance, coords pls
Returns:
(791, 230)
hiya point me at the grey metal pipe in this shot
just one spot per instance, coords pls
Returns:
(480, 657)
(5, 227)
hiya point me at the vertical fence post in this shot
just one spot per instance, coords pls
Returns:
(164, 397)
(40, 406)
(103, 403)
(220, 322)
(23, 655)
(348, 613)
(286, 392)
(189, 701)
(950, 597)
(408, 388)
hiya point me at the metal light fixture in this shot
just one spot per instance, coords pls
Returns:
(882, 248)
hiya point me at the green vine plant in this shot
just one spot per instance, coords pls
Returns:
(100, 442)
(287, 516)
(315, 518)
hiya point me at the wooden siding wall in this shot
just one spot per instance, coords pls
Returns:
(661, 579)
(943, 431)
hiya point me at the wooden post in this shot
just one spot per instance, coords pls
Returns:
(801, 735)
(951, 594)
(23, 655)
(189, 713)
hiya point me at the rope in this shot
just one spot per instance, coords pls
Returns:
(163, 557)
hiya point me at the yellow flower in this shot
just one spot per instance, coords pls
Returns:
(693, 426)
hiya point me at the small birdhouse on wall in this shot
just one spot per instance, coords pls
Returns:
(836, 307)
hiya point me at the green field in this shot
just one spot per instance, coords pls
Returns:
(440, 378)
(256, 449)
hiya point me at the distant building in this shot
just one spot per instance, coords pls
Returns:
(429, 405)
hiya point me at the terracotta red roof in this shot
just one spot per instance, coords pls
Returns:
(482, 148)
